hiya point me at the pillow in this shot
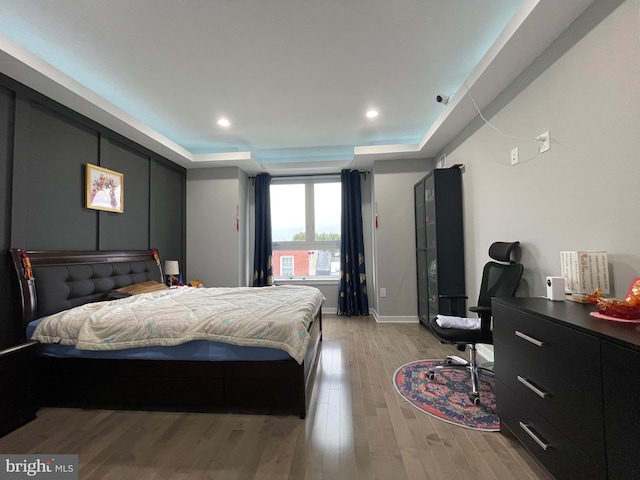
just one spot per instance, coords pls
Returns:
(115, 295)
(446, 321)
(144, 287)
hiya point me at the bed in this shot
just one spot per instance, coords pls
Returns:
(247, 378)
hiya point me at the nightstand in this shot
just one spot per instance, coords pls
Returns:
(17, 405)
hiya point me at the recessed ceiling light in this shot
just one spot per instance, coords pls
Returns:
(372, 113)
(224, 122)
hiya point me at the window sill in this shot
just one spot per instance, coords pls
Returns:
(307, 281)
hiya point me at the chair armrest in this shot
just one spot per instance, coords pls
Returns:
(478, 309)
(485, 315)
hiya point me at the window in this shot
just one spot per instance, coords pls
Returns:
(286, 266)
(305, 227)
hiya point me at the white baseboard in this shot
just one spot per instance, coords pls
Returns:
(399, 319)
(486, 352)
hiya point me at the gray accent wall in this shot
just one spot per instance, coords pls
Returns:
(50, 151)
(44, 148)
(135, 218)
(8, 329)
(167, 217)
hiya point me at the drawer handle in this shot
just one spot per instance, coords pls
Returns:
(526, 337)
(535, 438)
(532, 387)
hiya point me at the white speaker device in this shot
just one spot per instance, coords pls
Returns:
(555, 288)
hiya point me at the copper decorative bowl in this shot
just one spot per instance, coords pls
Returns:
(620, 311)
(628, 309)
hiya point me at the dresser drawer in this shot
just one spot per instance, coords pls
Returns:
(554, 450)
(621, 381)
(623, 445)
(622, 409)
(555, 400)
(572, 356)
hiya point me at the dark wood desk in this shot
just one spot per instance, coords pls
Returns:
(567, 388)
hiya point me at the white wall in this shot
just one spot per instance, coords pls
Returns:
(583, 193)
(394, 239)
(214, 245)
(243, 233)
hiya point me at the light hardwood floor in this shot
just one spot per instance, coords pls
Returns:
(358, 427)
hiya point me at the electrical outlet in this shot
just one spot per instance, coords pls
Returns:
(544, 142)
(515, 157)
(383, 293)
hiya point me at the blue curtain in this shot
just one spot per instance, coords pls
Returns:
(352, 293)
(262, 259)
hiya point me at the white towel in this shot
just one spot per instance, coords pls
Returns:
(446, 321)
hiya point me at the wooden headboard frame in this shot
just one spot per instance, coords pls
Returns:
(54, 280)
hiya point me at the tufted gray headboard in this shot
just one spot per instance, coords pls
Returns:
(51, 281)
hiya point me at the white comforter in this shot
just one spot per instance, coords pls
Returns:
(275, 317)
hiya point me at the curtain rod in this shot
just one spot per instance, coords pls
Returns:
(337, 174)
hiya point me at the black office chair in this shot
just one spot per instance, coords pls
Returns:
(500, 278)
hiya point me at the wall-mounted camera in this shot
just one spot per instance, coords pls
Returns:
(442, 99)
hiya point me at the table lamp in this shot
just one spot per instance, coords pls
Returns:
(171, 269)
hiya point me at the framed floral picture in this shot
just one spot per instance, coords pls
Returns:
(105, 189)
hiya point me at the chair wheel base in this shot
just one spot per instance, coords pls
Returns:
(475, 398)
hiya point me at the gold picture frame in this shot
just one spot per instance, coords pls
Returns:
(104, 189)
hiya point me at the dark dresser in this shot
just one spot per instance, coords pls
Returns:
(568, 386)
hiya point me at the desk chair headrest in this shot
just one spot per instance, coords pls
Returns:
(502, 251)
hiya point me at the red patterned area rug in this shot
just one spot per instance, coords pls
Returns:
(447, 396)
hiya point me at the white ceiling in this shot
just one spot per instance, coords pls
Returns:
(294, 77)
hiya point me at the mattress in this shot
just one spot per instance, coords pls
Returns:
(274, 317)
(201, 350)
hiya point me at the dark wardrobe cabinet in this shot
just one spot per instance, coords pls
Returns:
(439, 243)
